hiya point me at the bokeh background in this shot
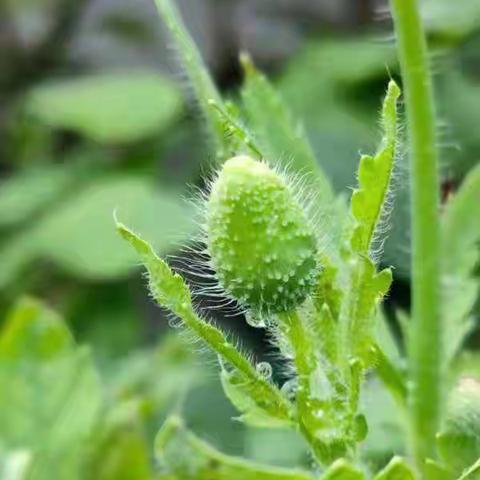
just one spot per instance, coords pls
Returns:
(96, 115)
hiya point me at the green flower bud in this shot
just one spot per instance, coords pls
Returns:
(259, 238)
(459, 440)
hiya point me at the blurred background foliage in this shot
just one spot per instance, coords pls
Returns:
(96, 117)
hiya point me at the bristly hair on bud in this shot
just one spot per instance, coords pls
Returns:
(259, 238)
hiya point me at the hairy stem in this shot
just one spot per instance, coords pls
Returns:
(426, 336)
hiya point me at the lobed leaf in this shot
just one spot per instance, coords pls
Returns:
(374, 176)
(182, 454)
(367, 288)
(171, 292)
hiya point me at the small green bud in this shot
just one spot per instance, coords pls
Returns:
(459, 440)
(259, 238)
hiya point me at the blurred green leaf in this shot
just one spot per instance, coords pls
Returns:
(28, 191)
(386, 435)
(461, 229)
(108, 108)
(342, 470)
(49, 392)
(449, 19)
(124, 454)
(397, 469)
(281, 140)
(14, 465)
(79, 236)
(471, 473)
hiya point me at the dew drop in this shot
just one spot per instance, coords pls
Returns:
(289, 388)
(174, 322)
(264, 369)
(255, 320)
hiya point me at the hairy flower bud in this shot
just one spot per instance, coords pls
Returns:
(259, 238)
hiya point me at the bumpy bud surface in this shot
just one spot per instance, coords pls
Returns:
(259, 238)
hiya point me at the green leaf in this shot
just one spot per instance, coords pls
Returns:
(124, 454)
(242, 392)
(367, 288)
(108, 108)
(182, 454)
(461, 229)
(386, 424)
(342, 470)
(374, 175)
(28, 191)
(397, 469)
(78, 236)
(451, 20)
(49, 392)
(171, 292)
(198, 75)
(390, 375)
(280, 139)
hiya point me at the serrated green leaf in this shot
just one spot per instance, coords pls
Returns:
(181, 453)
(461, 229)
(397, 469)
(108, 108)
(171, 292)
(198, 75)
(367, 288)
(279, 138)
(342, 470)
(374, 175)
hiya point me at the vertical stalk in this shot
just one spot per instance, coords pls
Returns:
(425, 345)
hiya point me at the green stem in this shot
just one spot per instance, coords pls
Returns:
(426, 334)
